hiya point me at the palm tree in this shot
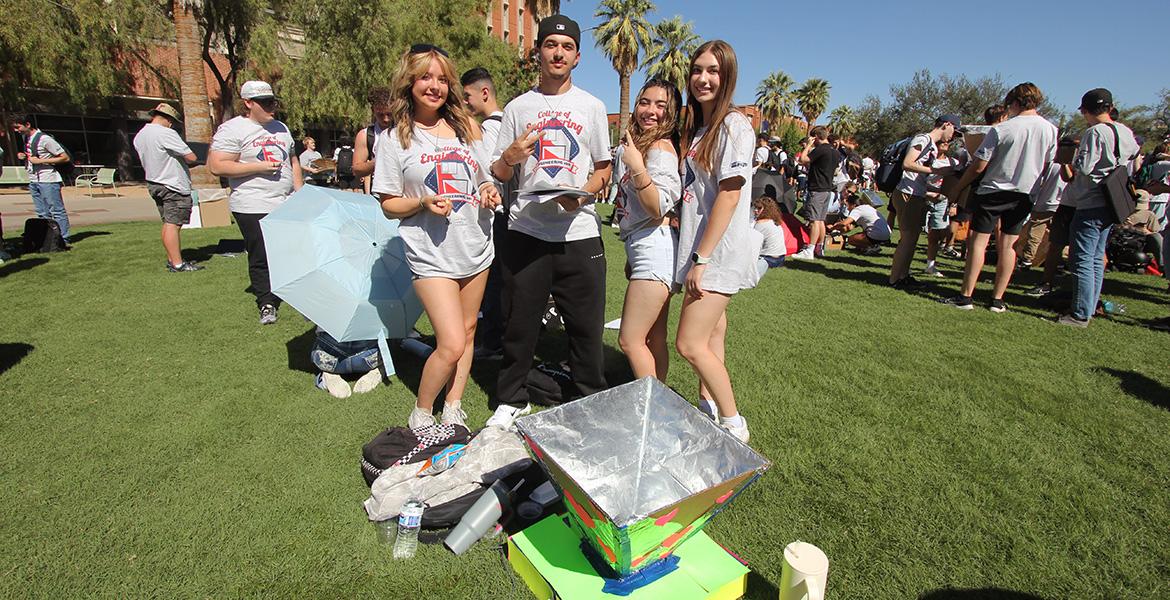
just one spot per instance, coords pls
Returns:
(669, 55)
(843, 121)
(774, 98)
(813, 97)
(543, 8)
(192, 84)
(622, 35)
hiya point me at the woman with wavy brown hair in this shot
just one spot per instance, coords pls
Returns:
(648, 187)
(431, 172)
(717, 252)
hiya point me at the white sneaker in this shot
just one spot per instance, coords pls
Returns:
(453, 415)
(741, 433)
(368, 382)
(335, 385)
(420, 419)
(505, 416)
(708, 407)
(933, 270)
(805, 254)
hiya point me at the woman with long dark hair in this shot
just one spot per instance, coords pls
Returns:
(648, 187)
(431, 172)
(716, 251)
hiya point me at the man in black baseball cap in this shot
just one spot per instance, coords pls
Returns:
(1096, 101)
(558, 24)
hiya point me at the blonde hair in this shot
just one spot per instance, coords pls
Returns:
(728, 69)
(667, 127)
(412, 66)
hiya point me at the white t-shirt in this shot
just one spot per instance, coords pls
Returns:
(867, 218)
(1050, 192)
(491, 130)
(662, 167)
(1017, 152)
(257, 194)
(1095, 160)
(733, 263)
(1160, 172)
(774, 245)
(576, 135)
(456, 246)
(307, 157)
(161, 151)
(46, 147)
(760, 157)
(868, 165)
(934, 182)
(913, 183)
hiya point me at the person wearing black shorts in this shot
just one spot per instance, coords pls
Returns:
(1012, 159)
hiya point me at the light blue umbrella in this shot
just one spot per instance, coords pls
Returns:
(338, 260)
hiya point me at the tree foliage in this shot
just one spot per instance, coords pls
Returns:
(813, 97)
(246, 33)
(352, 45)
(669, 55)
(623, 36)
(843, 122)
(774, 97)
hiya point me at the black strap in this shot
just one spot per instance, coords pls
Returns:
(1116, 143)
(495, 118)
(370, 142)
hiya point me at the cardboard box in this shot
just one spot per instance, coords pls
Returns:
(196, 221)
(213, 207)
(548, 557)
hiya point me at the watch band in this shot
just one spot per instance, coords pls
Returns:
(700, 260)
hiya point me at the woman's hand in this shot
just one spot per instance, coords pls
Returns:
(694, 282)
(489, 196)
(631, 156)
(437, 205)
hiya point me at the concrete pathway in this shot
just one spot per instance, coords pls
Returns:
(132, 203)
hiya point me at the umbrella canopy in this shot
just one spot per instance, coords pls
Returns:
(338, 260)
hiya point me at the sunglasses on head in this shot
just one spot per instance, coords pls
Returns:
(423, 48)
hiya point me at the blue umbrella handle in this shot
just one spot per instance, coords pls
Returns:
(387, 362)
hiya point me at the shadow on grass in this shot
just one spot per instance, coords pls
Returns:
(978, 594)
(13, 353)
(759, 587)
(19, 265)
(84, 235)
(1141, 387)
(298, 352)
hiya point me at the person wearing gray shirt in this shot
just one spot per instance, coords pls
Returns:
(555, 135)
(42, 155)
(165, 158)
(1105, 147)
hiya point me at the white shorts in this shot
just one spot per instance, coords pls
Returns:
(651, 253)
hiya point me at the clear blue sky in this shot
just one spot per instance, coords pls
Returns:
(1064, 46)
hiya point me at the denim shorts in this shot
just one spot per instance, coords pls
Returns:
(651, 253)
(936, 214)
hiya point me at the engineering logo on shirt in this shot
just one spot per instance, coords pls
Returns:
(271, 149)
(556, 148)
(688, 195)
(451, 179)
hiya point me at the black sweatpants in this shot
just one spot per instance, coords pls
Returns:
(249, 225)
(574, 273)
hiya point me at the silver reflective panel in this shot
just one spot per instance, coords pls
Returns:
(638, 448)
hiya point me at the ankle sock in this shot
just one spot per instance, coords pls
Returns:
(734, 421)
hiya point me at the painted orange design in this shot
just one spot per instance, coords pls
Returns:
(639, 560)
(608, 553)
(580, 511)
(664, 519)
(670, 541)
(724, 497)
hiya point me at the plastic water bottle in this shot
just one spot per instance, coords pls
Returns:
(409, 522)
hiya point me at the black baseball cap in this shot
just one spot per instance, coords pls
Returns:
(558, 25)
(1096, 98)
(953, 119)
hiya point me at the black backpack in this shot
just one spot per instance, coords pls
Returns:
(774, 162)
(65, 168)
(1126, 250)
(345, 161)
(370, 139)
(890, 172)
(42, 235)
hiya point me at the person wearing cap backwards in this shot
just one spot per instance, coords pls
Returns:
(165, 159)
(1013, 158)
(908, 200)
(255, 152)
(553, 135)
(1105, 146)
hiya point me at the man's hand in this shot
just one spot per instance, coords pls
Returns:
(21, 156)
(569, 203)
(521, 149)
(437, 204)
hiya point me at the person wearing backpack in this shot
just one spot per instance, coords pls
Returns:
(909, 197)
(1105, 147)
(43, 155)
(364, 140)
(343, 156)
(762, 156)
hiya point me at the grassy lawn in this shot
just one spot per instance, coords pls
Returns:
(157, 441)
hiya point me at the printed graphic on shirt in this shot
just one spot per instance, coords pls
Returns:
(452, 176)
(688, 194)
(557, 146)
(270, 149)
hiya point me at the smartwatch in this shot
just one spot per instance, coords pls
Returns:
(699, 260)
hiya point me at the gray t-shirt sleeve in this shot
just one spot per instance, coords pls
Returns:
(1089, 154)
(387, 164)
(50, 147)
(505, 136)
(663, 170)
(987, 148)
(734, 153)
(175, 145)
(599, 137)
(227, 139)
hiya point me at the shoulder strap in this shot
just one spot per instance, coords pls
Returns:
(1116, 142)
(370, 140)
(34, 143)
(495, 118)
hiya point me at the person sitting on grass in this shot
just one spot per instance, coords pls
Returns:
(768, 218)
(336, 359)
(875, 231)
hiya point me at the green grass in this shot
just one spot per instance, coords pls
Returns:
(156, 441)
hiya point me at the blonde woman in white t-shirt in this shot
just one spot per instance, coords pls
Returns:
(649, 185)
(431, 172)
(715, 221)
